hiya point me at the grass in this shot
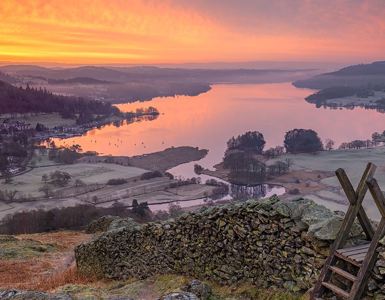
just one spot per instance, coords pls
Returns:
(62, 240)
(247, 291)
(30, 182)
(55, 271)
(30, 275)
(26, 266)
(13, 248)
(69, 276)
(353, 162)
(160, 285)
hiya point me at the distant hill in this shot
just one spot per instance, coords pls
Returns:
(98, 73)
(78, 80)
(122, 84)
(27, 100)
(375, 68)
(140, 74)
(359, 76)
(6, 78)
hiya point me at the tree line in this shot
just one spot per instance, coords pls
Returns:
(246, 159)
(27, 100)
(295, 141)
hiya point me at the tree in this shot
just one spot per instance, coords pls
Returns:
(376, 138)
(302, 141)
(252, 141)
(198, 169)
(76, 148)
(140, 209)
(3, 164)
(278, 168)
(244, 168)
(14, 149)
(65, 156)
(329, 144)
(7, 177)
(175, 210)
(274, 152)
(40, 127)
(117, 208)
(289, 162)
(59, 178)
(46, 190)
(44, 178)
(79, 182)
(27, 100)
(10, 195)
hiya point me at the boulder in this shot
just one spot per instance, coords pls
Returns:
(101, 224)
(180, 296)
(31, 295)
(202, 290)
(321, 222)
(122, 223)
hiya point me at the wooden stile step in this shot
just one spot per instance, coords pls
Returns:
(355, 249)
(335, 289)
(343, 273)
(347, 259)
(354, 255)
(361, 256)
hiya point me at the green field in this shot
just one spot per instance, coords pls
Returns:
(354, 163)
(30, 182)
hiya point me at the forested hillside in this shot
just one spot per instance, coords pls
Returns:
(358, 76)
(26, 100)
(375, 68)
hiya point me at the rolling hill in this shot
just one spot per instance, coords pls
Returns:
(363, 75)
(26, 100)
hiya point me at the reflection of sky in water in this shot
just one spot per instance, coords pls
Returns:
(210, 119)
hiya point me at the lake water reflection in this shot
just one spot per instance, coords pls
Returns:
(210, 119)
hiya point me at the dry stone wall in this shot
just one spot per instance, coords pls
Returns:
(270, 243)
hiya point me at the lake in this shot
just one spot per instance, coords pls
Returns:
(210, 119)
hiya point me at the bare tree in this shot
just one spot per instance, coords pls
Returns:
(44, 178)
(329, 144)
(47, 190)
(289, 162)
(10, 195)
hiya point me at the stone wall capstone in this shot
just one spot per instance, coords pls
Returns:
(270, 243)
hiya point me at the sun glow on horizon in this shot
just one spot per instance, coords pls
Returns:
(170, 31)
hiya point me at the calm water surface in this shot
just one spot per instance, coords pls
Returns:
(210, 119)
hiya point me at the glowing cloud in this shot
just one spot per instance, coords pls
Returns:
(118, 31)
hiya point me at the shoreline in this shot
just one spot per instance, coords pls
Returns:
(156, 161)
(93, 170)
(312, 176)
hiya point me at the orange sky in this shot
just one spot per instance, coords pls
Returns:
(176, 31)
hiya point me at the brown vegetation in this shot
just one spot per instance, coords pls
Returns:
(72, 218)
(48, 271)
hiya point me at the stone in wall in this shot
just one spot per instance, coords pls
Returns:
(270, 243)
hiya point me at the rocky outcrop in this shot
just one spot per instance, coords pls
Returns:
(31, 295)
(198, 288)
(270, 243)
(180, 296)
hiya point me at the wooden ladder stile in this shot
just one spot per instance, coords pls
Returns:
(361, 256)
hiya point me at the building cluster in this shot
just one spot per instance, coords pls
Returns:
(9, 126)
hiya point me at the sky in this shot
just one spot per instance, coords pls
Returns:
(191, 31)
